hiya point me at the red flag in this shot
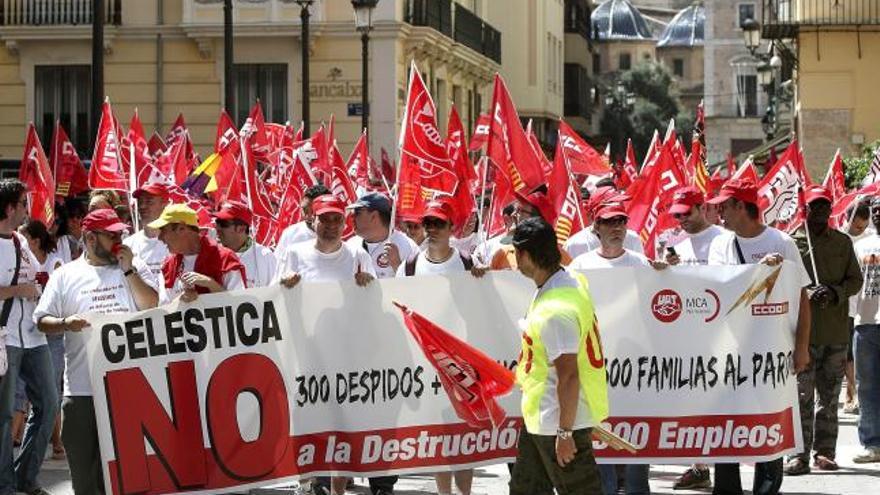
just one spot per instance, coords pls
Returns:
(388, 170)
(340, 182)
(254, 132)
(421, 141)
(778, 191)
(746, 171)
(502, 195)
(715, 182)
(471, 379)
(481, 133)
(156, 145)
(698, 166)
(299, 179)
(106, 171)
(771, 159)
(410, 201)
(546, 166)
(255, 142)
(653, 199)
(584, 160)
(179, 133)
(835, 182)
(456, 148)
(564, 194)
(627, 172)
(358, 165)
(229, 177)
(509, 146)
(37, 177)
(134, 144)
(71, 177)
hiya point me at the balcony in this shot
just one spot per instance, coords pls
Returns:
(458, 23)
(56, 12)
(782, 19)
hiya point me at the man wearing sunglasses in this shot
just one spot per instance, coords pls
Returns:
(233, 223)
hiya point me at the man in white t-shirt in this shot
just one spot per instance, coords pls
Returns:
(585, 240)
(233, 222)
(197, 264)
(303, 230)
(866, 343)
(26, 350)
(151, 200)
(749, 241)
(609, 227)
(858, 217)
(372, 224)
(440, 258)
(327, 258)
(689, 209)
(108, 278)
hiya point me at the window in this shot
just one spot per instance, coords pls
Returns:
(747, 95)
(624, 62)
(746, 11)
(63, 93)
(678, 67)
(264, 82)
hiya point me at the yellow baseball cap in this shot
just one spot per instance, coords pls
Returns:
(176, 213)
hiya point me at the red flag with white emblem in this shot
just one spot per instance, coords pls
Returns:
(456, 147)
(107, 171)
(835, 182)
(778, 190)
(647, 208)
(37, 177)
(564, 195)
(71, 177)
(583, 159)
(480, 136)
(471, 379)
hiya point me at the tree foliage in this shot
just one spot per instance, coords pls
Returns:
(855, 167)
(656, 101)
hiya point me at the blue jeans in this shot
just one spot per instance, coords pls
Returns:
(866, 348)
(635, 479)
(56, 349)
(34, 366)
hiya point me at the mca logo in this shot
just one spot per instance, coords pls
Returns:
(763, 308)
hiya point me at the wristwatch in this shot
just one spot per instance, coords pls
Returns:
(128, 272)
(563, 434)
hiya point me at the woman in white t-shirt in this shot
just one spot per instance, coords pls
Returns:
(43, 245)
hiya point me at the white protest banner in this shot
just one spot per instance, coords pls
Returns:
(240, 389)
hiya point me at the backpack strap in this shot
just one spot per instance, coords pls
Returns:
(410, 268)
(7, 304)
(467, 261)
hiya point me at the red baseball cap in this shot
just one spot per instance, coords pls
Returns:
(686, 198)
(743, 190)
(234, 210)
(609, 210)
(814, 193)
(154, 188)
(327, 203)
(439, 209)
(104, 219)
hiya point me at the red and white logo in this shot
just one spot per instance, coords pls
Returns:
(666, 305)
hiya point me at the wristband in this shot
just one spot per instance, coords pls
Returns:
(128, 272)
(563, 434)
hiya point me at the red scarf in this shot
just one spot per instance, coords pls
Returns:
(213, 260)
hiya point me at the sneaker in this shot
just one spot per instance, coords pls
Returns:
(692, 479)
(870, 454)
(851, 407)
(796, 467)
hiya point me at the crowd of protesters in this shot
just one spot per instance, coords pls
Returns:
(51, 275)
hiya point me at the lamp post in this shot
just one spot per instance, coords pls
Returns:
(751, 34)
(769, 75)
(228, 77)
(304, 24)
(619, 102)
(363, 21)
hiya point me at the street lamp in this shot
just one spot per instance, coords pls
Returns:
(765, 75)
(363, 21)
(304, 6)
(752, 34)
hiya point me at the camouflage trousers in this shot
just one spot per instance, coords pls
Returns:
(823, 377)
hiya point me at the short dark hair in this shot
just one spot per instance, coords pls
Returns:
(38, 231)
(508, 210)
(11, 191)
(862, 210)
(585, 194)
(316, 190)
(72, 208)
(538, 238)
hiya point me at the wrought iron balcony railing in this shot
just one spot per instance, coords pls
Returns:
(56, 12)
(782, 19)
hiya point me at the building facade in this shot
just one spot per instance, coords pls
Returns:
(734, 102)
(165, 57)
(837, 69)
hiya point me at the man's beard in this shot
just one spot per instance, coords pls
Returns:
(105, 255)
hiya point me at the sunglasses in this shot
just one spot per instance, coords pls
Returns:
(429, 223)
(223, 224)
(613, 222)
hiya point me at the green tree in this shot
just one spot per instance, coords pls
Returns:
(656, 101)
(855, 167)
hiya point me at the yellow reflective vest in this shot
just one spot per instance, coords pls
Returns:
(533, 367)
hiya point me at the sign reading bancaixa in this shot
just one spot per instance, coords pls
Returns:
(254, 387)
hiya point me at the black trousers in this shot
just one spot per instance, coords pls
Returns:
(768, 478)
